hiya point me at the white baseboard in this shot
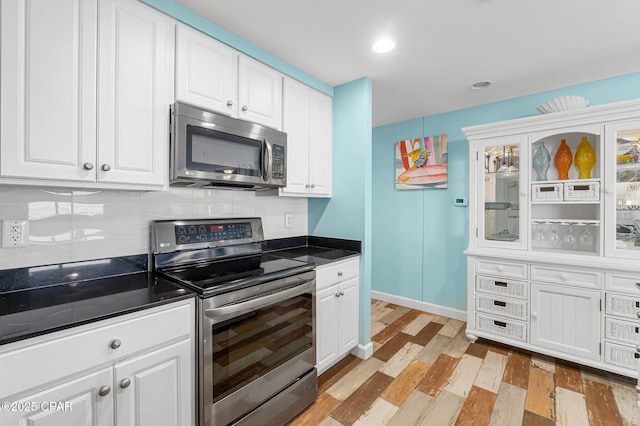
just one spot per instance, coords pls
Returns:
(421, 306)
(363, 351)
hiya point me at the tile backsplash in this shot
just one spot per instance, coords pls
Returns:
(70, 225)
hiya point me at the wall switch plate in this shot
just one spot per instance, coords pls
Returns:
(288, 220)
(15, 233)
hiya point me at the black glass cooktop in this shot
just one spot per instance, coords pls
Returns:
(225, 275)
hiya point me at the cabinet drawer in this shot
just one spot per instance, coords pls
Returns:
(503, 327)
(623, 356)
(621, 305)
(622, 331)
(586, 279)
(503, 306)
(502, 269)
(68, 352)
(337, 272)
(502, 287)
(623, 283)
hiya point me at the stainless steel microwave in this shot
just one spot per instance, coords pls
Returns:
(213, 150)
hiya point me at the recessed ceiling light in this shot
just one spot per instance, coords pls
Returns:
(383, 46)
(481, 85)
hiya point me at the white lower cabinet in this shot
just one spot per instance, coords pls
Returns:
(336, 312)
(566, 319)
(136, 369)
(80, 399)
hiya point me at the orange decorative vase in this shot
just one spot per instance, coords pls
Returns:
(585, 159)
(562, 160)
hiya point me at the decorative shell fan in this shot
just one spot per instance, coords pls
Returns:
(563, 103)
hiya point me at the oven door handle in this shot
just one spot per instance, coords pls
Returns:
(260, 302)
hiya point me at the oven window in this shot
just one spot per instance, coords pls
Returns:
(248, 347)
(218, 152)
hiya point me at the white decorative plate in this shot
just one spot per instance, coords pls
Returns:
(563, 103)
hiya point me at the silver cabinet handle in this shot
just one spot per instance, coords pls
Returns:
(125, 383)
(104, 391)
(229, 103)
(638, 348)
(638, 314)
(105, 167)
(115, 344)
(87, 166)
(244, 108)
(339, 273)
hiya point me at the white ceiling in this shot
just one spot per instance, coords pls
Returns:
(443, 46)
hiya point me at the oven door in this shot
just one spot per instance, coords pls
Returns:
(255, 342)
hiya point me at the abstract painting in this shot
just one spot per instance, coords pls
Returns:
(422, 163)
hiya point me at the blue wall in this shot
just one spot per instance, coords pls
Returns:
(187, 16)
(347, 214)
(418, 235)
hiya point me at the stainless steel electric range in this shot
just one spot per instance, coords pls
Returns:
(255, 320)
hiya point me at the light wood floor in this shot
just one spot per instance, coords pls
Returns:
(424, 371)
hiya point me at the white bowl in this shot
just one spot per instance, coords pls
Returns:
(563, 103)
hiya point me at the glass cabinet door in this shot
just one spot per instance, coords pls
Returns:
(623, 190)
(502, 164)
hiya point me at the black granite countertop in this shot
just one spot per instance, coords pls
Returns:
(315, 250)
(41, 305)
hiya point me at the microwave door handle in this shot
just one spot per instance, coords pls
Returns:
(260, 302)
(266, 160)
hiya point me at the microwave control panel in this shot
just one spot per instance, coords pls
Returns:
(278, 162)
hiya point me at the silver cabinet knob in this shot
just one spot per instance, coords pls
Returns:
(340, 273)
(87, 166)
(638, 314)
(638, 348)
(313, 185)
(338, 294)
(105, 167)
(307, 186)
(244, 108)
(115, 344)
(342, 293)
(124, 383)
(104, 391)
(229, 103)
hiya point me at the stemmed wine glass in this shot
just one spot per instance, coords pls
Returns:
(570, 238)
(586, 238)
(555, 237)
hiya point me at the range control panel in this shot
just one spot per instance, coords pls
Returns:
(199, 233)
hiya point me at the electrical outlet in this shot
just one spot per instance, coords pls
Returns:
(15, 233)
(288, 220)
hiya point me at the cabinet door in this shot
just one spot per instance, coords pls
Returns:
(320, 140)
(135, 45)
(566, 319)
(259, 93)
(295, 122)
(78, 403)
(348, 305)
(48, 89)
(156, 389)
(206, 71)
(327, 327)
(622, 191)
(502, 167)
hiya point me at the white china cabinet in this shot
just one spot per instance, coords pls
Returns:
(308, 122)
(554, 249)
(84, 93)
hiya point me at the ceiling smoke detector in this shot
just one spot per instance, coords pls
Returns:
(481, 85)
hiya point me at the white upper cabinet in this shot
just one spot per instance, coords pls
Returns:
(134, 44)
(85, 89)
(48, 89)
(259, 93)
(206, 72)
(307, 120)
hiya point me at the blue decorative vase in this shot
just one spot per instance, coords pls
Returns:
(541, 162)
